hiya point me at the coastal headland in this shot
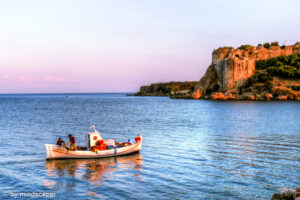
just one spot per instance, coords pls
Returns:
(172, 89)
(262, 72)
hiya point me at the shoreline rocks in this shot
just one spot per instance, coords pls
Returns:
(287, 194)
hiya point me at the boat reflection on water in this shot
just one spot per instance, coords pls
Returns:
(92, 170)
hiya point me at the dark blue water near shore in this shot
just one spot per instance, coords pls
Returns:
(192, 149)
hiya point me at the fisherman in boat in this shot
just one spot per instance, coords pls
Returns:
(72, 143)
(60, 142)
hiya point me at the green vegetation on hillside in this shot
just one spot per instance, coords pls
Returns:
(274, 43)
(296, 87)
(260, 80)
(244, 47)
(266, 45)
(284, 66)
(258, 77)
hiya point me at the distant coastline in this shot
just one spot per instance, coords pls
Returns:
(172, 89)
(264, 72)
(72, 93)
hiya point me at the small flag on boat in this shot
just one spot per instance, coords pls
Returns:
(93, 127)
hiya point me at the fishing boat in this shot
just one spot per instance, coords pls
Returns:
(95, 147)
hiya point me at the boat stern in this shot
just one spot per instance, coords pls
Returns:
(49, 150)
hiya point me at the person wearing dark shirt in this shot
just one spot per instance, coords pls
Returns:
(60, 142)
(72, 143)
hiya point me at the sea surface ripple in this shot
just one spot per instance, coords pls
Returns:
(191, 149)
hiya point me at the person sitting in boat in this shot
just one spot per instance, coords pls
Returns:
(60, 142)
(72, 143)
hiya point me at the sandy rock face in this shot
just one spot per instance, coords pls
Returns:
(231, 97)
(296, 95)
(232, 71)
(230, 67)
(280, 90)
(268, 96)
(231, 94)
(197, 94)
(282, 97)
(218, 96)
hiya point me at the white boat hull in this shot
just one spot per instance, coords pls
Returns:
(55, 152)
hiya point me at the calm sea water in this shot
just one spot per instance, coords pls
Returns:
(192, 149)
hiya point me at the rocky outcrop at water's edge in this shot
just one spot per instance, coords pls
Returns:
(287, 194)
(245, 73)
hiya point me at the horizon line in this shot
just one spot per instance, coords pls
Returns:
(66, 93)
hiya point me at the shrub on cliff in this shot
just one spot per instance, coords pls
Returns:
(285, 66)
(264, 77)
(257, 82)
(297, 74)
(244, 47)
(250, 81)
(268, 85)
(267, 45)
(284, 71)
(272, 70)
(261, 64)
(274, 43)
(259, 78)
(282, 47)
(296, 87)
(287, 71)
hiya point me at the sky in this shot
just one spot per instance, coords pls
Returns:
(69, 46)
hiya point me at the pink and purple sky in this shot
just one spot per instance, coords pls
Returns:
(59, 46)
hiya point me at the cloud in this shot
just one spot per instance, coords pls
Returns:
(27, 78)
(55, 79)
(6, 77)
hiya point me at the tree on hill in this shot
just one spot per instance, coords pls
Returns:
(244, 47)
(274, 43)
(282, 47)
(267, 45)
(284, 66)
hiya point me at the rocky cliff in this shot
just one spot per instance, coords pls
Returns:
(234, 74)
(231, 68)
(172, 89)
